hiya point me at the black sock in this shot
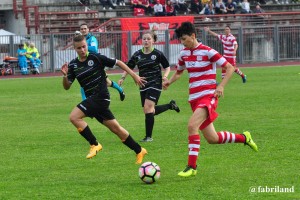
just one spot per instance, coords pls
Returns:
(149, 121)
(88, 135)
(162, 108)
(129, 142)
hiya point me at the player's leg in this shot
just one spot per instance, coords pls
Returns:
(149, 119)
(126, 138)
(76, 118)
(223, 72)
(241, 74)
(113, 84)
(232, 61)
(170, 106)
(224, 137)
(198, 117)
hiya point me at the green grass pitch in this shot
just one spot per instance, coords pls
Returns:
(43, 157)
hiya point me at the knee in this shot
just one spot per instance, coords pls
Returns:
(192, 129)
(148, 108)
(73, 119)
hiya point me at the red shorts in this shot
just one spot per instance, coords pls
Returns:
(211, 104)
(232, 61)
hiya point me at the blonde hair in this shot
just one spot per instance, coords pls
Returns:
(152, 33)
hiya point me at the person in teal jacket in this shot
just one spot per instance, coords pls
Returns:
(22, 60)
(92, 43)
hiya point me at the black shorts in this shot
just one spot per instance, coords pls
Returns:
(150, 94)
(95, 107)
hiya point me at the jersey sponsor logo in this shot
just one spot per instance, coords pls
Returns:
(190, 64)
(90, 63)
(153, 57)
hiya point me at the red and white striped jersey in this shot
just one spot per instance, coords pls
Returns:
(201, 63)
(228, 45)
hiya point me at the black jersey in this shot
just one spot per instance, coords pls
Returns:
(149, 66)
(90, 74)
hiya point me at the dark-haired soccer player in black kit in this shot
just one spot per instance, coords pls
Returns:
(149, 62)
(88, 69)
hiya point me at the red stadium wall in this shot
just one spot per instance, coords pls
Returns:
(148, 23)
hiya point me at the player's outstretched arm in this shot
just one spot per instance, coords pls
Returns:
(140, 81)
(211, 32)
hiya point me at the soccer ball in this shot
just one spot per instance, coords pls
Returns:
(149, 172)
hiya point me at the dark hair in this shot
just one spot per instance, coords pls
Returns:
(78, 38)
(21, 45)
(84, 24)
(227, 26)
(186, 28)
(152, 33)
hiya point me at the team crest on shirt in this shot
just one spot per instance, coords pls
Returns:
(199, 57)
(90, 63)
(153, 57)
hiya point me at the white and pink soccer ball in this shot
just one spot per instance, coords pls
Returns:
(149, 172)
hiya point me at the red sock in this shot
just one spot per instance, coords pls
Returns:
(239, 72)
(194, 147)
(227, 137)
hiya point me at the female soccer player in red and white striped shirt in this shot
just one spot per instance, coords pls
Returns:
(200, 61)
(230, 47)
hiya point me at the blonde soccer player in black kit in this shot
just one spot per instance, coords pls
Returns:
(88, 69)
(150, 62)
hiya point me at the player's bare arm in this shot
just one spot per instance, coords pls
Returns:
(64, 71)
(123, 77)
(140, 81)
(174, 78)
(235, 48)
(166, 74)
(219, 92)
(209, 31)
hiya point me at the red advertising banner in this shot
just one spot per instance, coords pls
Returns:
(159, 24)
